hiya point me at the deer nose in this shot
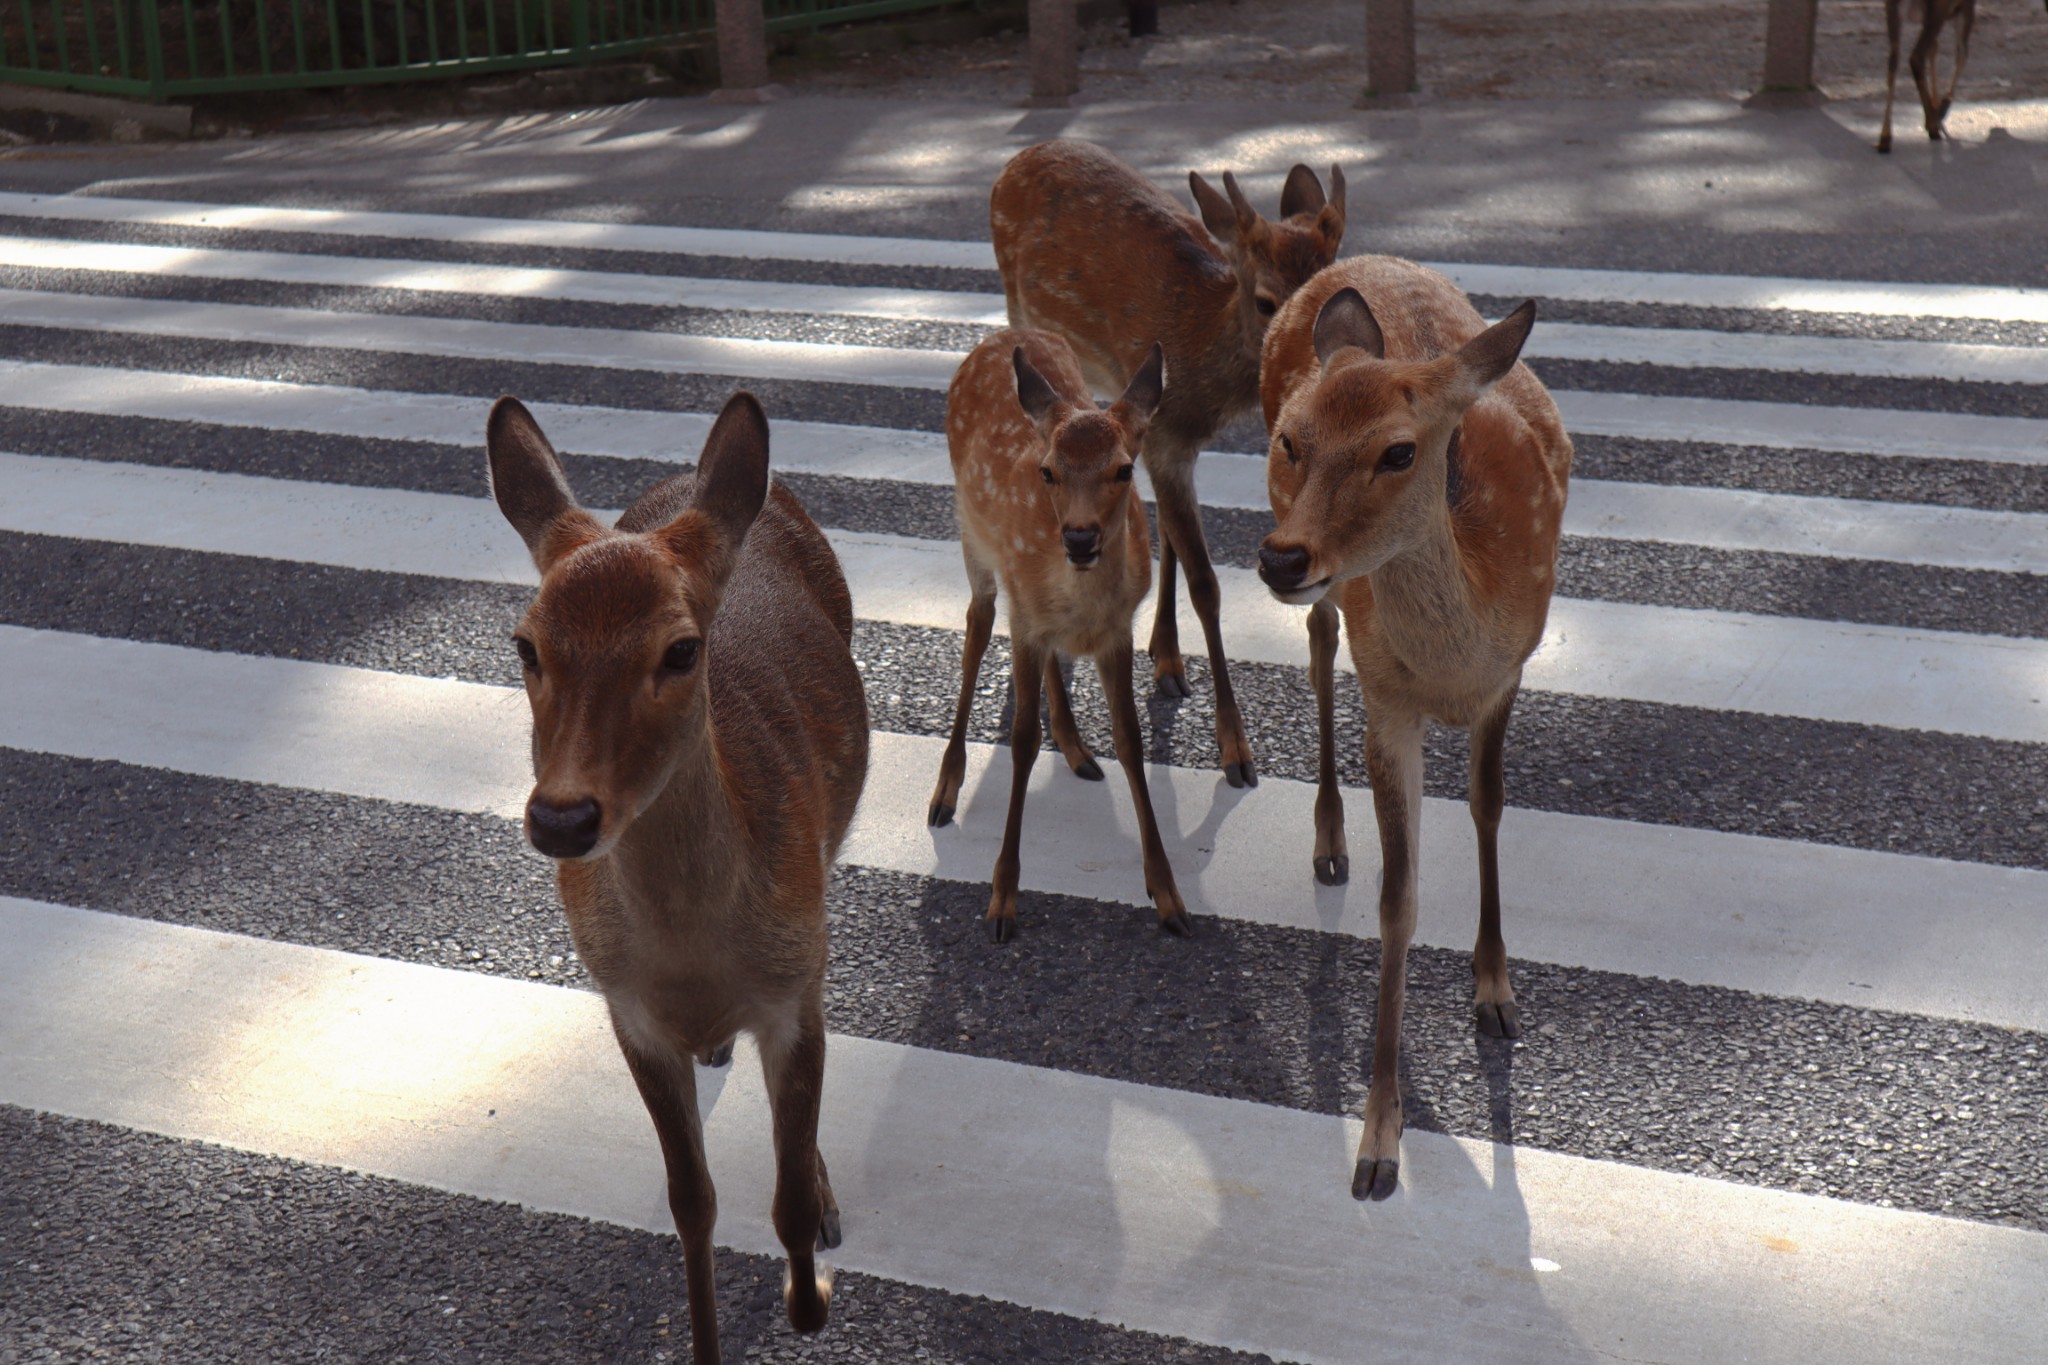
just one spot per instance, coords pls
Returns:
(1083, 547)
(563, 831)
(1283, 568)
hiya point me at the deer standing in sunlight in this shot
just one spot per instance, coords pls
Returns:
(1094, 252)
(1050, 510)
(1417, 474)
(1934, 15)
(700, 738)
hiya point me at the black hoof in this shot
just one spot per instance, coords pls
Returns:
(828, 1230)
(1003, 929)
(1179, 925)
(1334, 871)
(1375, 1180)
(718, 1056)
(1241, 774)
(1499, 1021)
(939, 814)
(1090, 771)
(1174, 685)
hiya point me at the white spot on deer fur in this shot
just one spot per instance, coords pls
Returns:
(1017, 541)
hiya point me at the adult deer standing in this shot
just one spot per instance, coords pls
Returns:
(699, 743)
(1418, 476)
(1050, 509)
(1934, 15)
(1094, 252)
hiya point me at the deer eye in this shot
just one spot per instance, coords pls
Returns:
(1266, 306)
(1398, 456)
(680, 657)
(1045, 472)
(528, 655)
(1123, 473)
(1287, 447)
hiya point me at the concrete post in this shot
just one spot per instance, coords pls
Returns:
(743, 53)
(1055, 52)
(1788, 45)
(1390, 50)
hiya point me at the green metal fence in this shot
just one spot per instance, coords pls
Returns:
(159, 49)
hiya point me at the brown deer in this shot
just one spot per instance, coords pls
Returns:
(699, 742)
(1092, 251)
(1418, 476)
(1050, 510)
(1933, 15)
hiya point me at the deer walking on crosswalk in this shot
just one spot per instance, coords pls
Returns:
(1094, 252)
(1049, 509)
(700, 738)
(1417, 474)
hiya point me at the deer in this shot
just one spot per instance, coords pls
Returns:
(1417, 473)
(1092, 251)
(1049, 510)
(700, 739)
(1934, 15)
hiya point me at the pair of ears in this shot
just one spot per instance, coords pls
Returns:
(1230, 215)
(1043, 404)
(1346, 322)
(532, 490)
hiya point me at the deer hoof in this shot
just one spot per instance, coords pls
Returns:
(828, 1229)
(1502, 1020)
(939, 815)
(1375, 1180)
(1241, 774)
(1179, 924)
(1088, 770)
(1334, 870)
(807, 1312)
(1002, 929)
(1174, 685)
(717, 1056)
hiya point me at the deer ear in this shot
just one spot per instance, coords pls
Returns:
(1247, 216)
(1214, 208)
(732, 471)
(1330, 222)
(1302, 193)
(1485, 358)
(1141, 396)
(1346, 320)
(530, 488)
(1038, 398)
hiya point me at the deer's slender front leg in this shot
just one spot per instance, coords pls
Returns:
(1892, 9)
(794, 1068)
(1393, 760)
(1921, 64)
(669, 1090)
(981, 619)
(1065, 733)
(1332, 860)
(1027, 668)
(1115, 668)
(1180, 522)
(1966, 17)
(1494, 998)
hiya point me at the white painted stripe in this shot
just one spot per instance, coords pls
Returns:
(503, 281)
(1678, 347)
(1876, 675)
(1796, 426)
(1763, 915)
(1721, 518)
(1775, 293)
(1099, 1198)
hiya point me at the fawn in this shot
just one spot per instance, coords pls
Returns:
(700, 738)
(1417, 474)
(1049, 507)
(1934, 15)
(1091, 250)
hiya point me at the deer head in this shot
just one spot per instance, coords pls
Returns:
(1358, 464)
(1273, 259)
(1089, 454)
(614, 645)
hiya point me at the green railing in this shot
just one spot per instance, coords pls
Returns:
(160, 49)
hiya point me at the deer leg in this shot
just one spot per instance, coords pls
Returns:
(981, 620)
(1494, 999)
(829, 1235)
(1060, 707)
(1181, 520)
(1393, 760)
(1115, 668)
(670, 1094)
(1921, 64)
(1332, 860)
(1892, 10)
(1169, 670)
(794, 1068)
(1027, 667)
(1968, 15)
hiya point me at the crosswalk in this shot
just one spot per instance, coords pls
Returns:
(1775, 879)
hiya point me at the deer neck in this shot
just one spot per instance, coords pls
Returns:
(1423, 598)
(684, 858)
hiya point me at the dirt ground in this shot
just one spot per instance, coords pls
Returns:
(1313, 51)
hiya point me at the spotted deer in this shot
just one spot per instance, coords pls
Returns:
(1049, 509)
(1092, 251)
(699, 742)
(1417, 475)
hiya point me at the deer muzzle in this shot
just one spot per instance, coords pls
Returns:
(563, 831)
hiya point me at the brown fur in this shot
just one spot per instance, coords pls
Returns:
(1034, 460)
(1092, 251)
(1443, 600)
(1934, 15)
(723, 793)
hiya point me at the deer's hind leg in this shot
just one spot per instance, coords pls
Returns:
(981, 620)
(669, 1090)
(794, 1069)
(1059, 708)
(1966, 17)
(1393, 760)
(1494, 998)
(1926, 51)
(1180, 526)
(1892, 23)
